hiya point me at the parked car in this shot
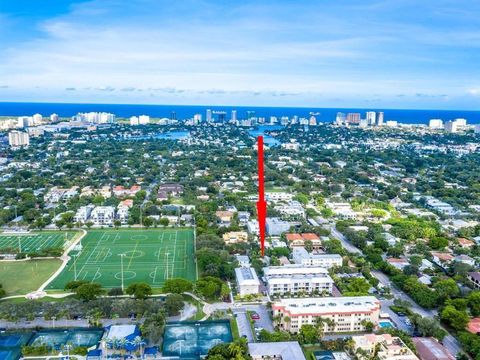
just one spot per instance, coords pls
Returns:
(255, 316)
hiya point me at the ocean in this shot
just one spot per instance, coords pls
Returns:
(187, 111)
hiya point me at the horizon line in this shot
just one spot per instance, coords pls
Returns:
(240, 106)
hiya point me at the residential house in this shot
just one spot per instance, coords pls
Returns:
(430, 349)
(384, 346)
(234, 237)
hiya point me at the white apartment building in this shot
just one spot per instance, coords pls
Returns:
(247, 281)
(95, 117)
(371, 117)
(294, 279)
(303, 257)
(144, 119)
(292, 208)
(140, 120)
(348, 314)
(342, 209)
(278, 196)
(435, 124)
(103, 215)
(122, 213)
(83, 213)
(18, 139)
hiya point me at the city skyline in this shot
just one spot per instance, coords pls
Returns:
(355, 54)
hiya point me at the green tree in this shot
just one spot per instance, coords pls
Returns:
(139, 290)
(173, 304)
(474, 302)
(308, 334)
(446, 288)
(89, 291)
(455, 318)
(177, 286)
(164, 222)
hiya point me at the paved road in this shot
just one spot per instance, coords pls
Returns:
(449, 341)
(345, 243)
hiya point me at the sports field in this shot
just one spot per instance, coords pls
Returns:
(151, 256)
(34, 241)
(22, 277)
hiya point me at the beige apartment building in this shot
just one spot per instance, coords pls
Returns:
(346, 314)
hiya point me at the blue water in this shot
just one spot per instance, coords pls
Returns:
(385, 324)
(170, 135)
(267, 139)
(184, 112)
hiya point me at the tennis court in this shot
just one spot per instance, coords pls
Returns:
(150, 256)
(34, 241)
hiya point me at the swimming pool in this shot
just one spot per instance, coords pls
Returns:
(385, 324)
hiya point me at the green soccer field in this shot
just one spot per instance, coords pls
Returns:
(34, 241)
(151, 256)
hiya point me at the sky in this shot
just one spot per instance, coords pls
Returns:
(320, 53)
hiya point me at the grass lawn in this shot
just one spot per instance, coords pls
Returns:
(149, 255)
(234, 327)
(22, 277)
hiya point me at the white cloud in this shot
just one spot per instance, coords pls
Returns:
(200, 51)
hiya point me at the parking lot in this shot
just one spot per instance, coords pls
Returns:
(243, 324)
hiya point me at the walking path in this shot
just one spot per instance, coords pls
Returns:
(65, 259)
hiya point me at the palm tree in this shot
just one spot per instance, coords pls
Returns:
(138, 342)
(121, 343)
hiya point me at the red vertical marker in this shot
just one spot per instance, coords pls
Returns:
(261, 203)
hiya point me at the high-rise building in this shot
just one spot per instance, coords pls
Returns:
(451, 126)
(435, 124)
(209, 115)
(134, 121)
(220, 115)
(234, 116)
(312, 121)
(284, 121)
(18, 139)
(340, 119)
(54, 117)
(95, 117)
(250, 114)
(37, 119)
(380, 118)
(353, 118)
(24, 121)
(144, 119)
(477, 129)
(173, 115)
(197, 118)
(371, 118)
